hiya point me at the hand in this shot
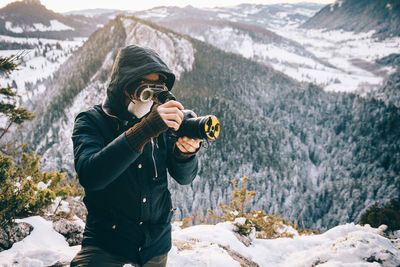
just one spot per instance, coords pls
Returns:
(171, 113)
(187, 145)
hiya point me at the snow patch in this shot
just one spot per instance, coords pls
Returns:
(37, 65)
(224, 15)
(60, 205)
(55, 25)
(43, 247)
(342, 50)
(42, 185)
(155, 13)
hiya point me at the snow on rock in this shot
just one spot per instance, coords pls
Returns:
(60, 205)
(72, 231)
(199, 253)
(345, 245)
(175, 51)
(43, 247)
(42, 185)
(13, 233)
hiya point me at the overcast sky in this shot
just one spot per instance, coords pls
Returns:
(68, 5)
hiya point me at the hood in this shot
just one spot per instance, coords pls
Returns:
(131, 64)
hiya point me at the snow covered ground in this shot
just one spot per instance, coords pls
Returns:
(216, 245)
(342, 62)
(351, 56)
(38, 63)
(55, 25)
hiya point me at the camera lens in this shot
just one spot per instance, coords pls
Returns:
(146, 95)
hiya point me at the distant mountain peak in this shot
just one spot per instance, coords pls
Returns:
(30, 18)
(32, 2)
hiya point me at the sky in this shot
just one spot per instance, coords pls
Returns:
(64, 6)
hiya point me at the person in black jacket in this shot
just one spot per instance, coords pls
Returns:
(122, 155)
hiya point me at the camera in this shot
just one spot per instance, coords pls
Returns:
(204, 127)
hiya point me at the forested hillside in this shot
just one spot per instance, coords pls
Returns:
(318, 158)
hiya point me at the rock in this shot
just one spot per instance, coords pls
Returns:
(243, 261)
(14, 233)
(71, 230)
(77, 207)
(60, 264)
(67, 208)
(244, 239)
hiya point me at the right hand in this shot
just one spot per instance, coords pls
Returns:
(171, 113)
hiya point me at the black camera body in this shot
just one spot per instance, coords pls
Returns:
(204, 127)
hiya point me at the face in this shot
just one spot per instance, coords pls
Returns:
(150, 77)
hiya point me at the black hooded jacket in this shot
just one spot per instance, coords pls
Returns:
(126, 192)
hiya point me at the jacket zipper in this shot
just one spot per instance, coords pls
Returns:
(154, 161)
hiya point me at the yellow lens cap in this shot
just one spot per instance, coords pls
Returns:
(212, 127)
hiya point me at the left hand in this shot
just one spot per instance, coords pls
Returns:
(187, 145)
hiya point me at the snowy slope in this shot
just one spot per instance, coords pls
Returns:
(336, 60)
(29, 18)
(382, 16)
(37, 64)
(55, 25)
(347, 245)
(352, 57)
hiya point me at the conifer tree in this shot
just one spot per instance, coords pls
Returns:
(24, 190)
(10, 112)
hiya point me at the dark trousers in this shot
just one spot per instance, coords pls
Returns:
(91, 256)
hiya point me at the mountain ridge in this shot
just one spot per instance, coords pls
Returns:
(32, 19)
(359, 16)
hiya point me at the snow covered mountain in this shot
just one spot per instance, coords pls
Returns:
(335, 60)
(265, 16)
(316, 157)
(382, 17)
(29, 18)
(39, 59)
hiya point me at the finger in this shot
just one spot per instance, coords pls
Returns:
(187, 145)
(172, 124)
(171, 111)
(193, 142)
(172, 117)
(173, 103)
(182, 147)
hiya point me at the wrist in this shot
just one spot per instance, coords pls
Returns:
(142, 132)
